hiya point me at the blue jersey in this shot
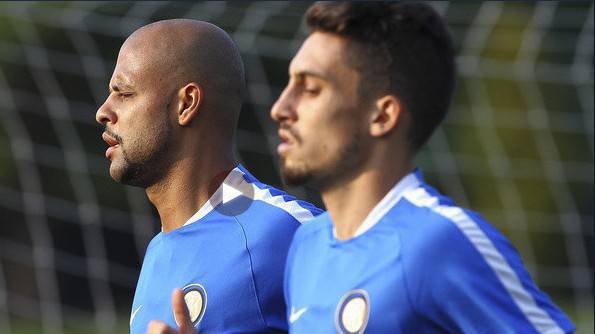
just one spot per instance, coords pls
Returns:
(229, 260)
(418, 264)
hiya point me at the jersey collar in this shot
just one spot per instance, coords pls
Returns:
(410, 181)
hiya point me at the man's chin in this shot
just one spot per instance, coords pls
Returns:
(295, 176)
(126, 175)
(304, 175)
(116, 172)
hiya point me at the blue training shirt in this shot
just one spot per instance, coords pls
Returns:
(229, 259)
(418, 264)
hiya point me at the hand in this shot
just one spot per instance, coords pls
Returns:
(182, 317)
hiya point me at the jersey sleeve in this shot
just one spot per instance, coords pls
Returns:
(470, 279)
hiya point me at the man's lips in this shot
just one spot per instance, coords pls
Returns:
(112, 142)
(286, 141)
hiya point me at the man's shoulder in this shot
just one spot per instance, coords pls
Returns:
(430, 220)
(435, 228)
(266, 214)
(266, 200)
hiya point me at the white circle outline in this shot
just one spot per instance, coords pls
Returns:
(204, 306)
(340, 305)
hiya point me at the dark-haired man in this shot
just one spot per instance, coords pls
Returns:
(366, 90)
(170, 121)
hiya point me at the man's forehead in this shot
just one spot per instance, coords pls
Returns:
(131, 57)
(130, 66)
(121, 79)
(319, 55)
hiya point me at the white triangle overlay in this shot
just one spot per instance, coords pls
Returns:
(229, 193)
(236, 185)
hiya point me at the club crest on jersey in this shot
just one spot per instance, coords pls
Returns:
(352, 312)
(195, 296)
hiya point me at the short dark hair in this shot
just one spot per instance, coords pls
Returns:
(400, 48)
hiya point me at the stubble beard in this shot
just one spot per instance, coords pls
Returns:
(331, 173)
(142, 168)
(297, 175)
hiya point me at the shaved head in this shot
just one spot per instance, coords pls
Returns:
(183, 51)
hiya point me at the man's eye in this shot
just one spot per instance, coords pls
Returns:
(125, 95)
(312, 90)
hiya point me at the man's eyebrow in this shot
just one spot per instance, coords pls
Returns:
(306, 73)
(119, 86)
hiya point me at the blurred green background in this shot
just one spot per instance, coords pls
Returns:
(517, 145)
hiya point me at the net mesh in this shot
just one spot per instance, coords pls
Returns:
(517, 145)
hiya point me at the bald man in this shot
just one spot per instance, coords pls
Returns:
(170, 120)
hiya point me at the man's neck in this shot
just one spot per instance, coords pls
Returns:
(186, 188)
(349, 203)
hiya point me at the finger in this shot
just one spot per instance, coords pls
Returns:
(159, 327)
(181, 313)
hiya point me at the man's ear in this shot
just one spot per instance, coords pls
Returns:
(385, 116)
(189, 101)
